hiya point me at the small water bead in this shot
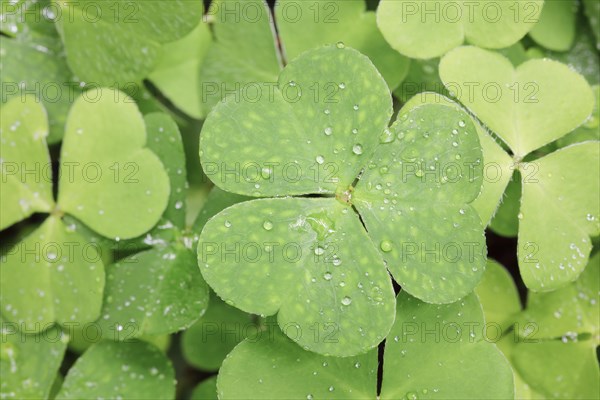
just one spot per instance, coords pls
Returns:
(340, 45)
(590, 217)
(320, 159)
(386, 246)
(355, 107)
(331, 388)
(357, 149)
(327, 276)
(267, 225)
(227, 224)
(354, 131)
(357, 365)
(319, 250)
(309, 397)
(342, 86)
(346, 301)
(328, 131)
(292, 83)
(327, 112)
(455, 131)
(454, 144)
(462, 123)
(337, 262)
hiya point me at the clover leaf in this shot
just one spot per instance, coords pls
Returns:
(20, 357)
(245, 58)
(176, 71)
(555, 29)
(120, 370)
(553, 249)
(119, 43)
(55, 274)
(434, 337)
(430, 29)
(314, 251)
(205, 390)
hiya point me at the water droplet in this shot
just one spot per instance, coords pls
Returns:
(357, 149)
(590, 217)
(462, 123)
(292, 83)
(309, 397)
(346, 301)
(227, 224)
(357, 365)
(178, 205)
(520, 216)
(268, 225)
(320, 159)
(354, 131)
(342, 86)
(386, 246)
(386, 137)
(327, 276)
(340, 45)
(319, 250)
(328, 131)
(355, 107)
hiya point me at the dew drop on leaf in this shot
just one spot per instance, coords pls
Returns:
(267, 225)
(320, 159)
(346, 301)
(386, 246)
(357, 149)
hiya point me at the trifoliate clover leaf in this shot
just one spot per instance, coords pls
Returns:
(206, 343)
(552, 100)
(430, 29)
(23, 130)
(21, 356)
(555, 29)
(310, 258)
(245, 60)
(65, 271)
(435, 338)
(304, 25)
(498, 295)
(126, 189)
(119, 43)
(176, 72)
(120, 370)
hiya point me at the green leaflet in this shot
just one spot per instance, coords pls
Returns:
(568, 311)
(506, 218)
(54, 274)
(554, 247)
(115, 44)
(206, 343)
(217, 201)
(438, 370)
(177, 70)
(556, 27)
(307, 259)
(393, 195)
(305, 25)
(527, 107)
(115, 179)
(206, 390)
(21, 356)
(498, 296)
(590, 130)
(23, 130)
(126, 370)
(155, 292)
(430, 29)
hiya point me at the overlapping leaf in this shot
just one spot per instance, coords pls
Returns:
(546, 100)
(430, 29)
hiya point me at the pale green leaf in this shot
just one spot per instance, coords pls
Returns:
(25, 161)
(177, 70)
(54, 275)
(528, 107)
(560, 210)
(430, 29)
(110, 181)
(556, 27)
